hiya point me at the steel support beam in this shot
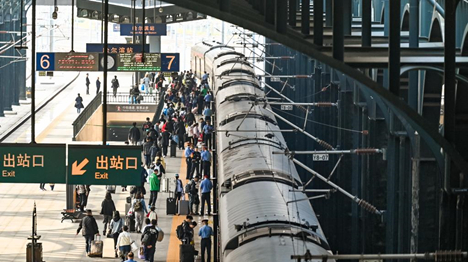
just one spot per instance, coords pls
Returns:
(105, 78)
(281, 20)
(338, 30)
(305, 17)
(2, 87)
(394, 48)
(292, 12)
(413, 43)
(318, 22)
(347, 16)
(33, 73)
(329, 13)
(366, 23)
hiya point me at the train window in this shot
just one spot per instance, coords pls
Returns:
(237, 70)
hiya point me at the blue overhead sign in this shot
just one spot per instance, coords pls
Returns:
(45, 61)
(150, 29)
(170, 62)
(116, 48)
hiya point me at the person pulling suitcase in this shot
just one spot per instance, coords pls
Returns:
(90, 228)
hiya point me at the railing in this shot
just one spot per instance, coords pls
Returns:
(125, 98)
(158, 113)
(88, 111)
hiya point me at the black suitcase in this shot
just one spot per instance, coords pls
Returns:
(129, 200)
(130, 223)
(173, 149)
(186, 253)
(171, 207)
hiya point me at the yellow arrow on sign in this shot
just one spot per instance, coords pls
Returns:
(77, 169)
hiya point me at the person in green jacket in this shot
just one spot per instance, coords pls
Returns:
(155, 182)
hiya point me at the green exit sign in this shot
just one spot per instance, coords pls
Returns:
(32, 163)
(104, 165)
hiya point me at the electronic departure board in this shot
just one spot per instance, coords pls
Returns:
(135, 62)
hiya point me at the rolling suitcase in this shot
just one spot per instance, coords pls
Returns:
(130, 221)
(127, 207)
(171, 206)
(96, 248)
(183, 207)
(173, 149)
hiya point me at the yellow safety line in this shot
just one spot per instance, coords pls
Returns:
(174, 242)
(53, 125)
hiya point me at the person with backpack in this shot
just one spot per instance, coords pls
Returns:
(90, 228)
(194, 199)
(79, 103)
(184, 232)
(152, 214)
(107, 209)
(148, 241)
(155, 185)
(115, 84)
(147, 151)
(160, 164)
(139, 207)
(116, 227)
(146, 126)
(134, 135)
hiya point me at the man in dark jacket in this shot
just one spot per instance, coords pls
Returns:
(190, 118)
(90, 228)
(147, 151)
(107, 209)
(165, 142)
(134, 135)
(115, 84)
(180, 132)
(146, 126)
(148, 239)
(87, 84)
(196, 158)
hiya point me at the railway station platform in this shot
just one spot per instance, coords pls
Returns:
(59, 240)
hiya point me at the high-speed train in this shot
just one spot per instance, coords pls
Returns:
(260, 217)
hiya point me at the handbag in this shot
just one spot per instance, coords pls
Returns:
(141, 254)
(134, 247)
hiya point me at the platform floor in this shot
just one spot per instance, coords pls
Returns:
(59, 240)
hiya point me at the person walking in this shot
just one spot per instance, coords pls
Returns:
(98, 85)
(87, 83)
(130, 257)
(208, 99)
(123, 242)
(152, 214)
(147, 152)
(205, 186)
(205, 232)
(148, 240)
(42, 187)
(79, 103)
(107, 209)
(180, 132)
(179, 190)
(134, 135)
(90, 228)
(188, 153)
(81, 190)
(139, 207)
(194, 198)
(165, 142)
(196, 157)
(206, 161)
(207, 133)
(116, 227)
(155, 186)
(115, 84)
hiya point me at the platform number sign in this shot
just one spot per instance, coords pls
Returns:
(45, 61)
(320, 157)
(170, 62)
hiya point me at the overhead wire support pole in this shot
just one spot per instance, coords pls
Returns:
(359, 201)
(104, 95)
(33, 74)
(73, 27)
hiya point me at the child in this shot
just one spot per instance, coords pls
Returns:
(152, 214)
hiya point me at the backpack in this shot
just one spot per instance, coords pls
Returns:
(187, 188)
(165, 111)
(138, 206)
(180, 231)
(150, 236)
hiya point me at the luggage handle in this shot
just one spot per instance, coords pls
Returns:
(97, 237)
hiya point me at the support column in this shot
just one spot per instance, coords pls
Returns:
(155, 44)
(367, 23)
(22, 70)
(394, 48)
(415, 193)
(318, 22)
(329, 13)
(413, 43)
(338, 30)
(2, 61)
(17, 66)
(305, 17)
(292, 13)
(347, 16)
(386, 16)
(8, 70)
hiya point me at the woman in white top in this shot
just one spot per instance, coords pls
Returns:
(196, 134)
(124, 241)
